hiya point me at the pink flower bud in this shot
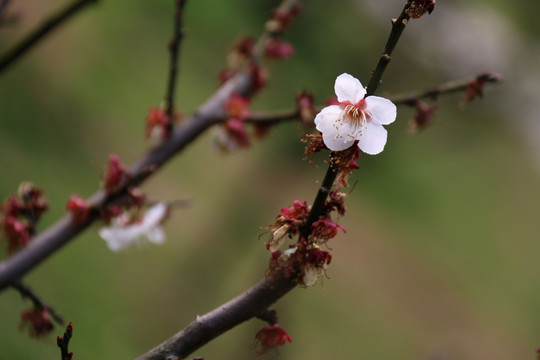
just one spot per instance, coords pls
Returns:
(116, 174)
(271, 337)
(79, 208)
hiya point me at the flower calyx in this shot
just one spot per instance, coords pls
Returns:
(271, 337)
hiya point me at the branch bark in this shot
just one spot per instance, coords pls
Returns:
(65, 229)
(209, 326)
(39, 33)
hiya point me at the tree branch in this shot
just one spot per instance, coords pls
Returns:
(39, 33)
(444, 88)
(397, 29)
(63, 343)
(65, 229)
(174, 49)
(452, 86)
(209, 326)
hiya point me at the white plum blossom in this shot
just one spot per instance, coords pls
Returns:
(121, 233)
(355, 118)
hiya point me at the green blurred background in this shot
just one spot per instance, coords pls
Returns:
(440, 259)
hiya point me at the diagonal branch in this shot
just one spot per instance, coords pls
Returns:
(209, 326)
(39, 33)
(65, 229)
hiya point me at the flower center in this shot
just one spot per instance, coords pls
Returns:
(356, 116)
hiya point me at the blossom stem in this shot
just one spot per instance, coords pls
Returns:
(26, 292)
(39, 33)
(320, 199)
(398, 25)
(174, 49)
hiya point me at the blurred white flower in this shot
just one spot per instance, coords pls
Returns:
(122, 233)
(355, 118)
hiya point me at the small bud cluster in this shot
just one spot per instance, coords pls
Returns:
(420, 7)
(270, 337)
(304, 261)
(240, 57)
(475, 88)
(276, 47)
(423, 117)
(79, 208)
(232, 134)
(306, 108)
(20, 214)
(38, 321)
(159, 125)
(115, 176)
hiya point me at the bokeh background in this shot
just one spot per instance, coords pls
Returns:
(441, 256)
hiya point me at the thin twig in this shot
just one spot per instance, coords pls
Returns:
(397, 29)
(174, 49)
(209, 326)
(26, 292)
(63, 343)
(444, 88)
(452, 86)
(65, 229)
(39, 33)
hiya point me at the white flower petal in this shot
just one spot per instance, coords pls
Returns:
(156, 235)
(348, 88)
(383, 110)
(119, 235)
(337, 134)
(373, 138)
(155, 214)
(117, 238)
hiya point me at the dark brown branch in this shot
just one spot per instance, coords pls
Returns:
(39, 33)
(63, 343)
(397, 29)
(64, 230)
(209, 326)
(26, 292)
(444, 88)
(453, 86)
(174, 49)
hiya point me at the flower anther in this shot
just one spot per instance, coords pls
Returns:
(355, 118)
